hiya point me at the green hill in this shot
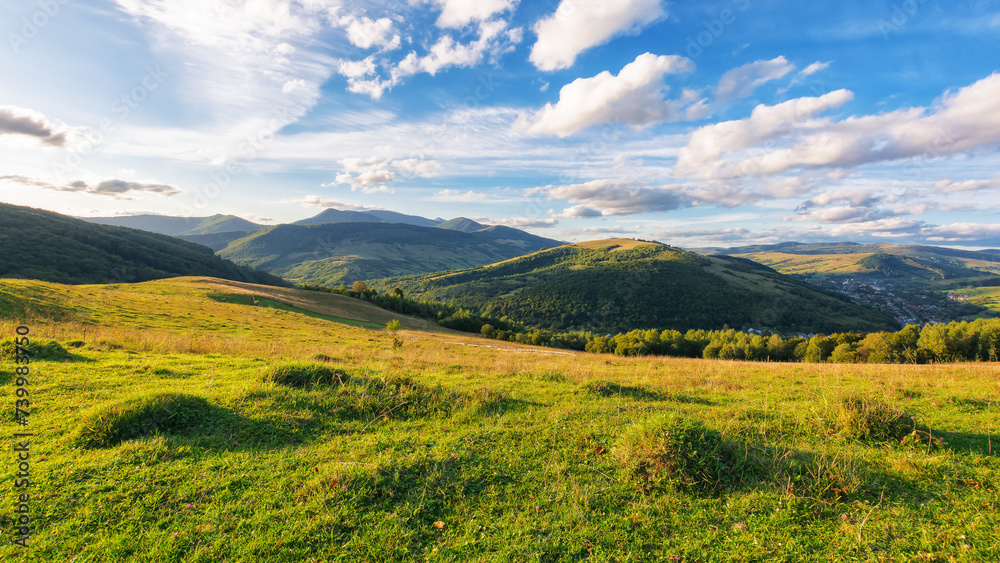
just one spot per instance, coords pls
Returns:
(921, 263)
(176, 226)
(46, 246)
(331, 253)
(620, 285)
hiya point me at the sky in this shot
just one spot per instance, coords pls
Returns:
(696, 123)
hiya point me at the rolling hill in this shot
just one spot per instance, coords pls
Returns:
(331, 253)
(47, 246)
(926, 263)
(619, 285)
(176, 226)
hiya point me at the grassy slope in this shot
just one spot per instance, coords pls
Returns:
(334, 252)
(526, 465)
(621, 284)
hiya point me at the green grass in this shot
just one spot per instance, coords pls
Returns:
(264, 302)
(212, 434)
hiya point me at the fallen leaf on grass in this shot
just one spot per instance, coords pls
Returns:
(439, 525)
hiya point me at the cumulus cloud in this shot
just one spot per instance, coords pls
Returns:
(458, 13)
(494, 39)
(633, 97)
(741, 82)
(577, 26)
(701, 156)
(365, 33)
(118, 189)
(20, 121)
(374, 173)
(961, 121)
(615, 197)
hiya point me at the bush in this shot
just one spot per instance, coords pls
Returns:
(677, 452)
(871, 419)
(166, 413)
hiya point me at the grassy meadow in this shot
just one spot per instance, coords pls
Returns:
(200, 420)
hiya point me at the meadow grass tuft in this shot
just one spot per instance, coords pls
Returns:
(670, 450)
(304, 374)
(604, 388)
(873, 419)
(147, 415)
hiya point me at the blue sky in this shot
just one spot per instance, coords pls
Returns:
(714, 123)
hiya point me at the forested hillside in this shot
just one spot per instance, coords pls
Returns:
(620, 285)
(332, 253)
(43, 245)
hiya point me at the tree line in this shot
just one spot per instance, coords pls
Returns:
(957, 341)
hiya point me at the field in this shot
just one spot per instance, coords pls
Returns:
(178, 421)
(988, 297)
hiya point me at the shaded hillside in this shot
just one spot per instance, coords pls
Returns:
(46, 246)
(176, 226)
(461, 224)
(619, 285)
(331, 253)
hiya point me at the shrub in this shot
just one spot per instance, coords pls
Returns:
(871, 419)
(163, 413)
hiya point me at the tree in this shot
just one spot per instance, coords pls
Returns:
(359, 287)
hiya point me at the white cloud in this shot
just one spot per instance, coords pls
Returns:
(946, 186)
(494, 39)
(365, 33)
(293, 85)
(251, 47)
(813, 68)
(701, 156)
(418, 167)
(633, 97)
(373, 173)
(458, 195)
(458, 13)
(741, 82)
(521, 223)
(577, 26)
(964, 120)
(964, 232)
